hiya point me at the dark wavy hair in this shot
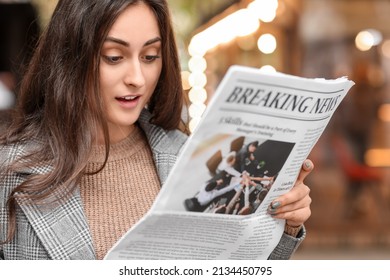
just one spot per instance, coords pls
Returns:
(59, 103)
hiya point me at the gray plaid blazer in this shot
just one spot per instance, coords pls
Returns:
(62, 232)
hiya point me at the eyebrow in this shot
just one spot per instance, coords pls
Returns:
(127, 44)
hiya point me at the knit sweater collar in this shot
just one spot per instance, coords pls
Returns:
(120, 150)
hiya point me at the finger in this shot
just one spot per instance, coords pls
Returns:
(299, 190)
(307, 167)
(295, 218)
(298, 194)
(289, 207)
(296, 205)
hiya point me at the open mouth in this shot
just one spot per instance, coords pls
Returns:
(127, 98)
(128, 101)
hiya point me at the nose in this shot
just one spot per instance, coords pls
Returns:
(134, 74)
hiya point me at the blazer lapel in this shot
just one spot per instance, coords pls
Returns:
(62, 228)
(165, 145)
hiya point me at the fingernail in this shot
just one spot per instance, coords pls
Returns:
(275, 204)
(307, 164)
(271, 211)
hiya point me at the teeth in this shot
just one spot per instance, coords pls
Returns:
(129, 97)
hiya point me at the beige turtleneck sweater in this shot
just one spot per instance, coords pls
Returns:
(118, 196)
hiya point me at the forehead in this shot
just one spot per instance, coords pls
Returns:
(137, 21)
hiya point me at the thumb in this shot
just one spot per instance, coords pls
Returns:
(307, 167)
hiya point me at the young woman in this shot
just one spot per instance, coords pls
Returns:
(98, 115)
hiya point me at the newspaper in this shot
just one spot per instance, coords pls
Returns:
(247, 150)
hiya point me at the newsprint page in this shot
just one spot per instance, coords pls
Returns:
(247, 150)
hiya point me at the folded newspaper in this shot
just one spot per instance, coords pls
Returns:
(247, 150)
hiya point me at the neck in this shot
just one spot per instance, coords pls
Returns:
(116, 134)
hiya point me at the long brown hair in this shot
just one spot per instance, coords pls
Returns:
(60, 106)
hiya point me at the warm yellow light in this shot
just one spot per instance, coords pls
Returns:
(197, 79)
(268, 69)
(196, 110)
(386, 48)
(378, 157)
(193, 124)
(197, 95)
(384, 112)
(197, 64)
(376, 35)
(368, 38)
(198, 45)
(267, 43)
(243, 23)
(240, 23)
(265, 10)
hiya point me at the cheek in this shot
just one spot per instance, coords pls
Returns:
(106, 78)
(155, 76)
(104, 90)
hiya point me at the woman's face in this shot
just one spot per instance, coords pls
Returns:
(130, 66)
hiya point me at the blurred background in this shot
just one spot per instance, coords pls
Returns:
(311, 38)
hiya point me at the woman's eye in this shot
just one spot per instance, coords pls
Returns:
(112, 59)
(150, 58)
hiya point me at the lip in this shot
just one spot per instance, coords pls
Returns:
(126, 103)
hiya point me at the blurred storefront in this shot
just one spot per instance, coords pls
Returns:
(326, 39)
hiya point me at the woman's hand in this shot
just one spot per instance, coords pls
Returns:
(294, 206)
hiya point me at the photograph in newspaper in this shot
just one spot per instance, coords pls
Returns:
(239, 170)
